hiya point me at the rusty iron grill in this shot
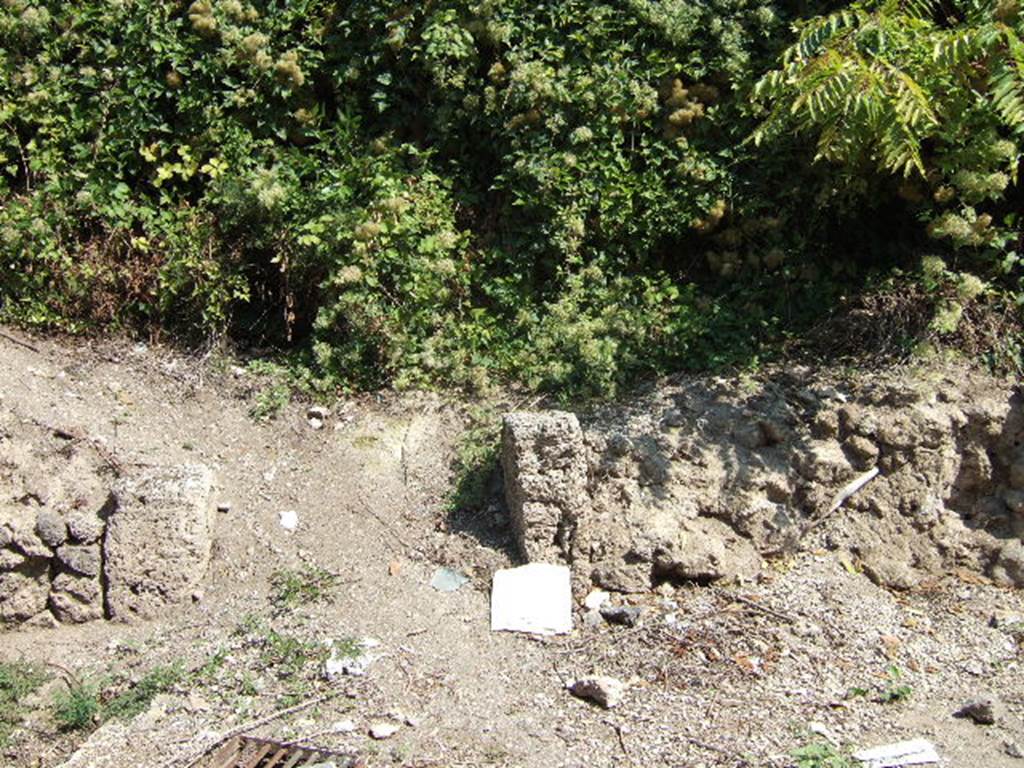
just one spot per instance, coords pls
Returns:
(249, 752)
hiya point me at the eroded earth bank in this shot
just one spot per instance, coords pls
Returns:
(794, 563)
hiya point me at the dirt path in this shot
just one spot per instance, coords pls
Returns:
(714, 680)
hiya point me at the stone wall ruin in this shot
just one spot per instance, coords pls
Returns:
(79, 544)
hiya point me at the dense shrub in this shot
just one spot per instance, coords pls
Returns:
(929, 92)
(458, 190)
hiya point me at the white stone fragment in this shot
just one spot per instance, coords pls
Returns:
(913, 752)
(534, 598)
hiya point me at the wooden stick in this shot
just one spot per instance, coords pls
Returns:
(852, 488)
(837, 501)
(758, 607)
(19, 342)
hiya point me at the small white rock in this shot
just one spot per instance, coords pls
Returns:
(317, 416)
(351, 665)
(384, 730)
(343, 726)
(534, 598)
(289, 519)
(596, 599)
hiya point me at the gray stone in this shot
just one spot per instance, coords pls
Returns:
(674, 418)
(85, 528)
(621, 577)
(76, 599)
(545, 467)
(862, 452)
(27, 541)
(605, 691)
(10, 559)
(1017, 474)
(627, 615)
(983, 711)
(50, 527)
(157, 541)
(83, 559)
(620, 445)
(706, 550)
(448, 580)
(655, 468)
(1008, 569)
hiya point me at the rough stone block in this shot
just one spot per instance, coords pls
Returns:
(23, 591)
(85, 527)
(83, 559)
(50, 528)
(157, 542)
(76, 599)
(545, 466)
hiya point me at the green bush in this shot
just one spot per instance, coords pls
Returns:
(929, 92)
(78, 707)
(17, 681)
(466, 191)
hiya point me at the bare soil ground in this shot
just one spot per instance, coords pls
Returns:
(719, 676)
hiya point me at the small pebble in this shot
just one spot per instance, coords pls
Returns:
(381, 731)
(983, 711)
(343, 726)
(603, 690)
(626, 615)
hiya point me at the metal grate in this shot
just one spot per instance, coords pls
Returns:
(249, 752)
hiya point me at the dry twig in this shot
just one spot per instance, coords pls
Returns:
(19, 342)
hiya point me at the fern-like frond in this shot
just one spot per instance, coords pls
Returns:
(1007, 82)
(814, 36)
